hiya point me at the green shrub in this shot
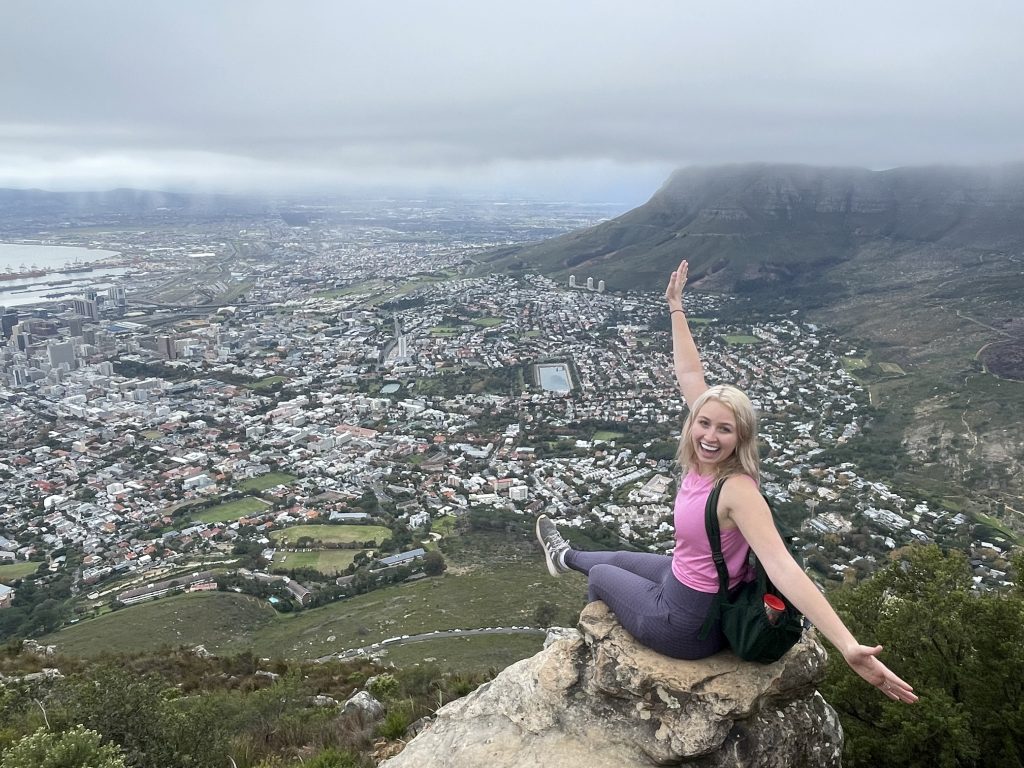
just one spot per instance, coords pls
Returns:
(333, 758)
(383, 687)
(395, 723)
(77, 748)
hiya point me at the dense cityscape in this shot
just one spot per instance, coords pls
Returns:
(217, 388)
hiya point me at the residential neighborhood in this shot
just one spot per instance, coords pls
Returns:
(159, 444)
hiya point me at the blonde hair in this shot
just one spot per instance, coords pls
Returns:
(745, 459)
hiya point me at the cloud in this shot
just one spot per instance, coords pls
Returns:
(318, 94)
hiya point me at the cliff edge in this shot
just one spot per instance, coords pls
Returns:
(594, 698)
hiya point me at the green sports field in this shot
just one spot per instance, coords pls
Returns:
(230, 511)
(330, 562)
(739, 338)
(14, 571)
(330, 534)
(263, 482)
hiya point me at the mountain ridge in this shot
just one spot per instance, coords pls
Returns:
(922, 268)
(763, 221)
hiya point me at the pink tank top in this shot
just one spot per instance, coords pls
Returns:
(691, 559)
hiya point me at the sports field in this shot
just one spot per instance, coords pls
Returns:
(14, 571)
(263, 482)
(230, 511)
(330, 562)
(330, 534)
(740, 338)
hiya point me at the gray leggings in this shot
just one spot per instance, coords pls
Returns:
(649, 601)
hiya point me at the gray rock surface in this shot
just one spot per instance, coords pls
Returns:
(597, 699)
(365, 703)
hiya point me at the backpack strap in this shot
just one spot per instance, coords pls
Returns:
(715, 541)
(715, 536)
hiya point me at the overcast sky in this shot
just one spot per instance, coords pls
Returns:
(587, 99)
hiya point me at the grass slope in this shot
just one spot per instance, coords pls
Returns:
(222, 621)
(493, 580)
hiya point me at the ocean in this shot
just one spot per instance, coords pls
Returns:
(31, 289)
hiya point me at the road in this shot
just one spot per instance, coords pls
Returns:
(369, 650)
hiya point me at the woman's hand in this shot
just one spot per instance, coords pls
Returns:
(674, 291)
(863, 660)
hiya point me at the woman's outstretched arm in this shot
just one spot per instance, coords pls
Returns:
(745, 509)
(685, 358)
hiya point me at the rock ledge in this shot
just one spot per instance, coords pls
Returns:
(597, 699)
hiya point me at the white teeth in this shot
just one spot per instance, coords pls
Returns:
(707, 447)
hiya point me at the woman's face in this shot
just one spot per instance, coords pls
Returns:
(714, 434)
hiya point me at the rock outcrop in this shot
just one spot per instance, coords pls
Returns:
(597, 699)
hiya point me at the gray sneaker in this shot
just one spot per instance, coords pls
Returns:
(554, 545)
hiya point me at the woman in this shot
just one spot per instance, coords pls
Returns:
(663, 601)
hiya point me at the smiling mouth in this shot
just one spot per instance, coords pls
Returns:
(709, 448)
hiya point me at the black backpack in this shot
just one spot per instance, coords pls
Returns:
(742, 614)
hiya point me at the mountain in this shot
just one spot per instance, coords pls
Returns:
(922, 269)
(743, 225)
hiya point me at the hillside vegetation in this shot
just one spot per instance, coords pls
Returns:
(181, 708)
(494, 579)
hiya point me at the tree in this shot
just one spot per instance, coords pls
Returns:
(545, 614)
(153, 727)
(433, 563)
(77, 748)
(963, 653)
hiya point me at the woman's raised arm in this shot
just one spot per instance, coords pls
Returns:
(685, 358)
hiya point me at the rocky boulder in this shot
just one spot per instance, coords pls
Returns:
(365, 703)
(597, 699)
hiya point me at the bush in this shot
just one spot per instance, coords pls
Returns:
(395, 723)
(383, 687)
(433, 563)
(333, 758)
(77, 748)
(962, 651)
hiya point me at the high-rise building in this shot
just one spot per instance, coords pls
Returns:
(590, 283)
(600, 286)
(165, 347)
(60, 352)
(7, 322)
(116, 295)
(402, 348)
(572, 281)
(86, 307)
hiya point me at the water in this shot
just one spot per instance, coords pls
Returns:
(554, 377)
(14, 257)
(50, 258)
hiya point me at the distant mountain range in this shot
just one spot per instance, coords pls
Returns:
(742, 226)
